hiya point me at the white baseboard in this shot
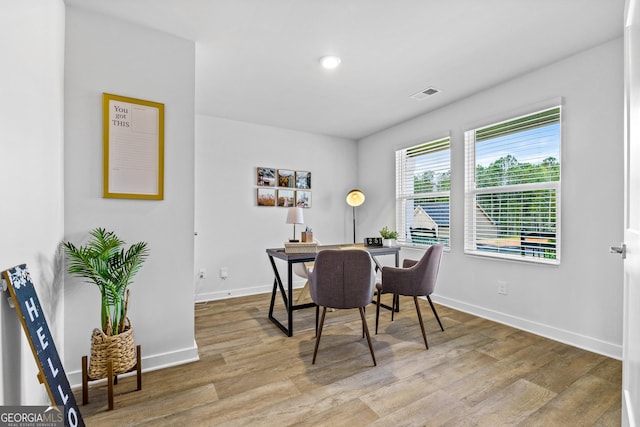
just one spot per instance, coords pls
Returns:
(232, 293)
(577, 340)
(571, 338)
(150, 363)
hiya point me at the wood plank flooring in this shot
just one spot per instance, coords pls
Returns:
(476, 373)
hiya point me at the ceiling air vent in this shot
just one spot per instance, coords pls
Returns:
(425, 93)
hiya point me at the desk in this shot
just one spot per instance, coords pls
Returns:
(290, 259)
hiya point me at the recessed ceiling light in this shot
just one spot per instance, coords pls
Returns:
(330, 62)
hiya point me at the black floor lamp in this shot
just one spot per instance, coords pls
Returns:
(355, 198)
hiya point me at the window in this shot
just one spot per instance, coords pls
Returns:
(512, 188)
(423, 184)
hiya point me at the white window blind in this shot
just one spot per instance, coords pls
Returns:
(512, 188)
(423, 184)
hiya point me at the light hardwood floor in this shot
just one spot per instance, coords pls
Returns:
(476, 373)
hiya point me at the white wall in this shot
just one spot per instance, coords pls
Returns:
(31, 141)
(108, 55)
(233, 231)
(580, 301)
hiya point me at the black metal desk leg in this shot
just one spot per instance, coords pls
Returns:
(277, 283)
(273, 297)
(290, 299)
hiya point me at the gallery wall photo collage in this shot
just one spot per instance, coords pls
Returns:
(283, 187)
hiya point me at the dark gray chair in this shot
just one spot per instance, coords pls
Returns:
(342, 279)
(416, 278)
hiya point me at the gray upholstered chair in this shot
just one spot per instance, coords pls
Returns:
(416, 278)
(342, 279)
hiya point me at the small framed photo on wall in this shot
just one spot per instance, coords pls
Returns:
(303, 179)
(266, 177)
(286, 178)
(303, 199)
(286, 198)
(266, 196)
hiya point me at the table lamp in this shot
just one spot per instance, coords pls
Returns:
(355, 198)
(295, 216)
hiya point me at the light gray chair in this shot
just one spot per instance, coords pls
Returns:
(416, 278)
(342, 279)
(303, 269)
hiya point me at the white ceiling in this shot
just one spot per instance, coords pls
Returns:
(257, 60)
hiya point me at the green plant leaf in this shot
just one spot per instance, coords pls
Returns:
(105, 263)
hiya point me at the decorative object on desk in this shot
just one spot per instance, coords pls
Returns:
(355, 198)
(373, 242)
(266, 177)
(105, 263)
(266, 196)
(303, 180)
(388, 237)
(307, 235)
(295, 216)
(300, 247)
(286, 178)
(286, 198)
(303, 199)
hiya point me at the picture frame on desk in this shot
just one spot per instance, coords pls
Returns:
(373, 242)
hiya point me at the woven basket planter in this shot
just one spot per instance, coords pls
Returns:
(120, 349)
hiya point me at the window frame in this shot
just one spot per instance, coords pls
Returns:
(401, 155)
(472, 191)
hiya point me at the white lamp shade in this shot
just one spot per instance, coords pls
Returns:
(295, 216)
(355, 198)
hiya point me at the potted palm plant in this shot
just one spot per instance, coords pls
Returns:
(104, 261)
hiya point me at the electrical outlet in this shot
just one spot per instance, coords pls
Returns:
(203, 273)
(502, 287)
(224, 272)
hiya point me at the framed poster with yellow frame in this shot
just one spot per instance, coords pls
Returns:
(133, 148)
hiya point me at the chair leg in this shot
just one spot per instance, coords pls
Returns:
(424, 335)
(435, 313)
(318, 334)
(366, 329)
(394, 304)
(317, 312)
(377, 311)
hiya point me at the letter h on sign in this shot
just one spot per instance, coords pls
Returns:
(43, 347)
